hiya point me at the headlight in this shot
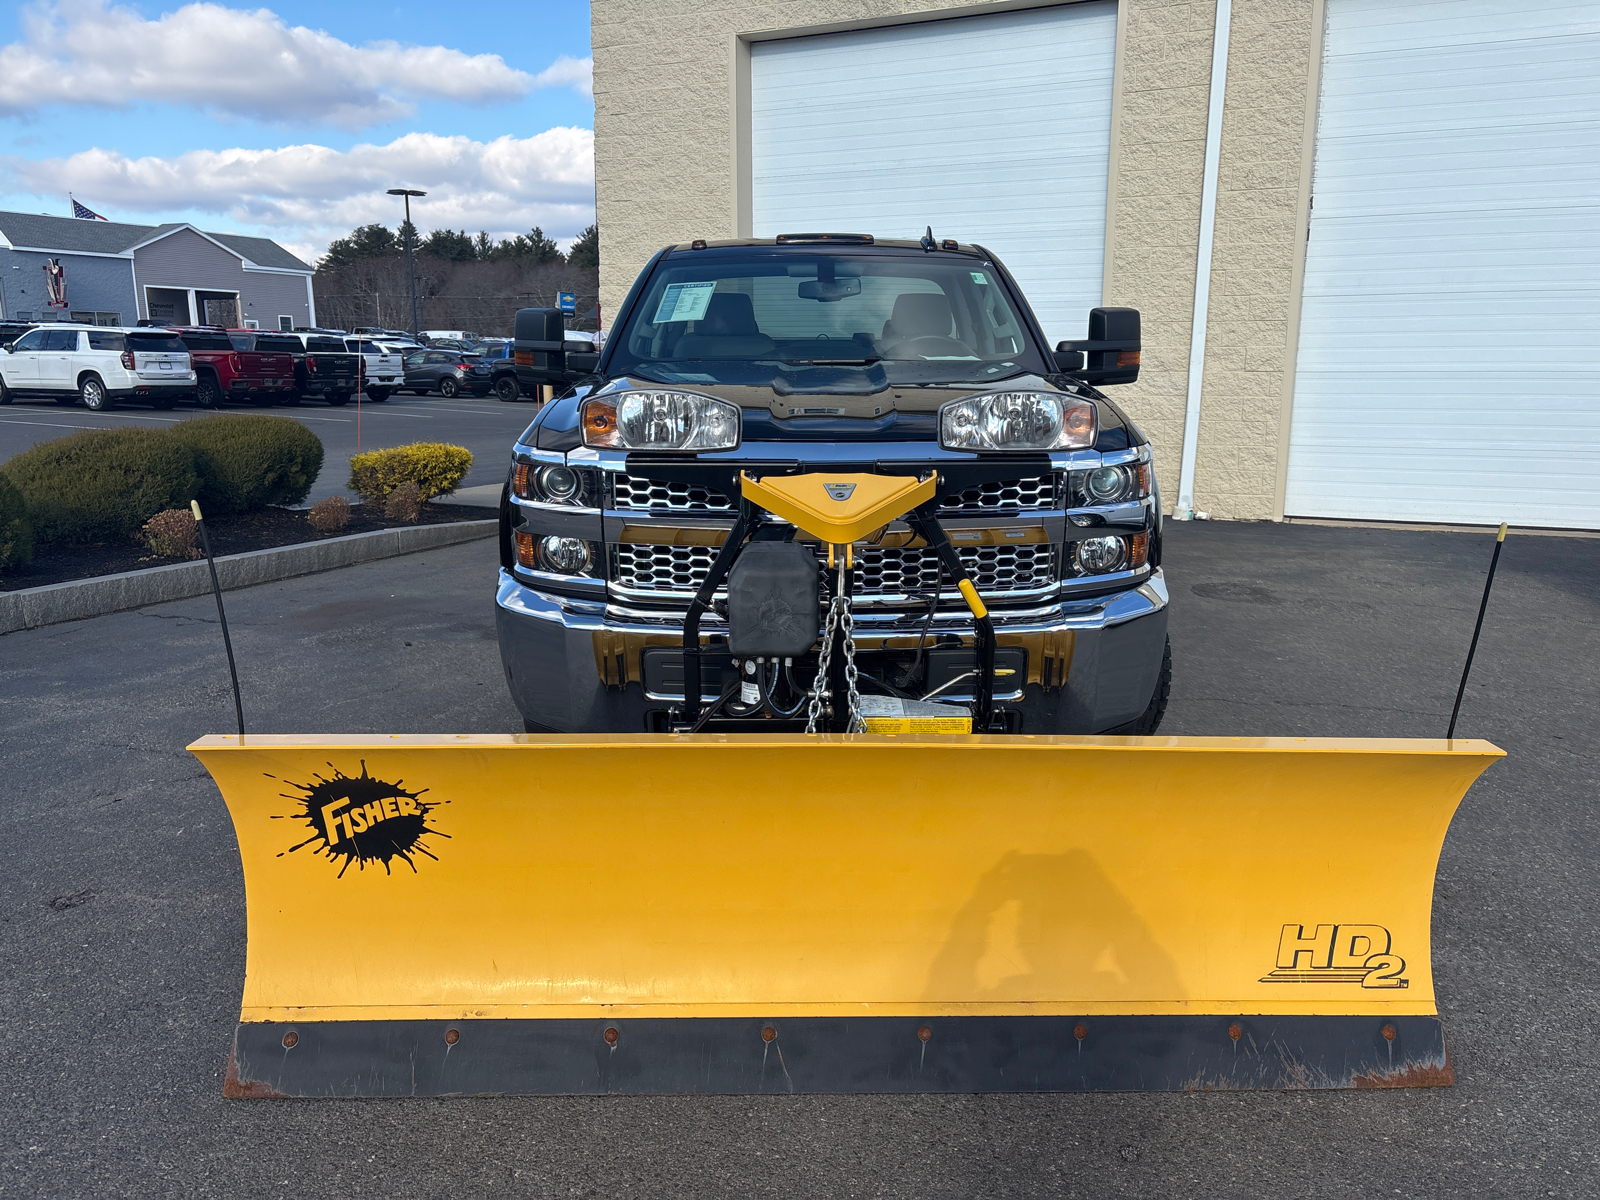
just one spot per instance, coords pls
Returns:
(658, 420)
(1101, 554)
(1111, 485)
(1017, 421)
(559, 483)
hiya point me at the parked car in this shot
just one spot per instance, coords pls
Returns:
(223, 371)
(97, 366)
(449, 372)
(324, 368)
(493, 349)
(458, 335)
(382, 366)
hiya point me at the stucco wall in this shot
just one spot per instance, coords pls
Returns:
(94, 284)
(667, 156)
(1263, 184)
(267, 296)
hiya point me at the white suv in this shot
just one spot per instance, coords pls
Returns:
(97, 366)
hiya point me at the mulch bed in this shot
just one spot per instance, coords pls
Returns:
(229, 535)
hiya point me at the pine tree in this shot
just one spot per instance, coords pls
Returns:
(585, 252)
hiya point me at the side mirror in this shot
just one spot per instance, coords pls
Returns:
(540, 339)
(1110, 354)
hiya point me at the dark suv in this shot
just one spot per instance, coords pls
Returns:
(836, 356)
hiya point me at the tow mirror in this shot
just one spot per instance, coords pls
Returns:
(1110, 354)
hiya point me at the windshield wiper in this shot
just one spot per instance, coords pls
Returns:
(830, 362)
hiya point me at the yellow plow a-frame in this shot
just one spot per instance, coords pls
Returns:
(549, 914)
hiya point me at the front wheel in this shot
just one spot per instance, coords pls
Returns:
(92, 392)
(449, 388)
(5, 395)
(507, 390)
(208, 392)
(287, 399)
(1150, 721)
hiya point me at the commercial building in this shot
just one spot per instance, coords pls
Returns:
(1364, 234)
(106, 273)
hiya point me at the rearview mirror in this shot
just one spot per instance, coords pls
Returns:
(1110, 354)
(829, 290)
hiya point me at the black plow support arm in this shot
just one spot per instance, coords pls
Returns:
(702, 601)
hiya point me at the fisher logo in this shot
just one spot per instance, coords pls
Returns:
(361, 819)
(1338, 954)
(839, 491)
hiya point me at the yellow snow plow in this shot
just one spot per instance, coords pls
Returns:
(834, 910)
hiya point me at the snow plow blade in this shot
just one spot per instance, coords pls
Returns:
(555, 914)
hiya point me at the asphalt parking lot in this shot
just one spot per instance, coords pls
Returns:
(485, 426)
(122, 930)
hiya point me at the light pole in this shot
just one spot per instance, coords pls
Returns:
(411, 274)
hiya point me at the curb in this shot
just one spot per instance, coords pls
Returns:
(73, 601)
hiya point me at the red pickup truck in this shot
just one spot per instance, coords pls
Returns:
(230, 365)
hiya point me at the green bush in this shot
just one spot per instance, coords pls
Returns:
(16, 531)
(435, 467)
(248, 463)
(103, 483)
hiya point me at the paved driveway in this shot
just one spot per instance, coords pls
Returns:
(486, 427)
(122, 934)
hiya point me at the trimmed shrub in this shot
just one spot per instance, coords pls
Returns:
(404, 503)
(103, 483)
(248, 463)
(330, 515)
(172, 534)
(16, 531)
(435, 467)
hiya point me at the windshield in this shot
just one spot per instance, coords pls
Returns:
(825, 322)
(156, 343)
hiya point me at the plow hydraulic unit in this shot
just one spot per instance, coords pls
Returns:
(897, 896)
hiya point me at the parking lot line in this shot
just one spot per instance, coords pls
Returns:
(60, 425)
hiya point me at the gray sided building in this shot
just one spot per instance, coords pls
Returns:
(119, 274)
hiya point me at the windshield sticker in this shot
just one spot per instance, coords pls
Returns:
(979, 278)
(684, 302)
(685, 377)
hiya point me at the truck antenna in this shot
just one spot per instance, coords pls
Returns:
(927, 240)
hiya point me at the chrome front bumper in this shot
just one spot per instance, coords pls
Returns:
(573, 666)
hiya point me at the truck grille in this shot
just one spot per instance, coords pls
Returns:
(655, 495)
(637, 494)
(995, 570)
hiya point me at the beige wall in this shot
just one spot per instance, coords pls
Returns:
(1268, 123)
(667, 167)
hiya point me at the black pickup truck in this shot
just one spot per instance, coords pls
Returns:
(324, 368)
(840, 357)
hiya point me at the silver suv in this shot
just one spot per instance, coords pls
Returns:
(97, 367)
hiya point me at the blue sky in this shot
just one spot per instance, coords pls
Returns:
(290, 121)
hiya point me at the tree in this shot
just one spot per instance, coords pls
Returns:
(450, 245)
(483, 244)
(585, 252)
(369, 241)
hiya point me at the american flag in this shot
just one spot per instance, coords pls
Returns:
(86, 213)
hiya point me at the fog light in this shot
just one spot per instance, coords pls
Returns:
(559, 483)
(568, 555)
(1099, 555)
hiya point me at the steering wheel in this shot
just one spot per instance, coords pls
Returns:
(926, 346)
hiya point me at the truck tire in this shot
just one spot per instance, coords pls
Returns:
(377, 395)
(207, 391)
(338, 401)
(287, 399)
(5, 396)
(507, 390)
(1150, 721)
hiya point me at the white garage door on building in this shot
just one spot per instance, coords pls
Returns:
(1449, 357)
(992, 129)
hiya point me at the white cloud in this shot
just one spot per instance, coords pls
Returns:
(307, 195)
(575, 73)
(246, 63)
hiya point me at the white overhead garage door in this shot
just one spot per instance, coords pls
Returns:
(1449, 360)
(992, 129)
